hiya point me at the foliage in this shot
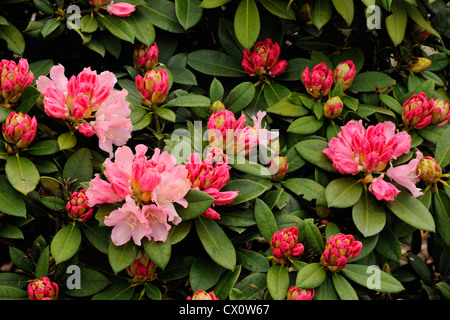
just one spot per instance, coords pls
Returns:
(201, 47)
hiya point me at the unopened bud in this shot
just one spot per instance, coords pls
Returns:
(333, 108)
(420, 64)
(429, 170)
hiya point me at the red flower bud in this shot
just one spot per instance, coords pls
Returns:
(153, 87)
(145, 58)
(339, 249)
(142, 269)
(417, 111)
(345, 72)
(299, 294)
(318, 82)
(43, 289)
(78, 207)
(440, 115)
(429, 170)
(13, 79)
(285, 246)
(18, 131)
(203, 295)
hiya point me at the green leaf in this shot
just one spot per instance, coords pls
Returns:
(191, 100)
(209, 4)
(10, 231)
(368, 81)
(198, 203)
(373, 278)
(188, 12)
(321, 13)
(346, 9)
(247, 189)
(284, 107)
(116, 291)
(278, 281)
(227, 282)
(215, 63)
(368, 216)
(216, 243)
(420, 268)
(305, 125)
(388, 245)
(42, 148)
(252, 260)
(204, 274)
(96, 235)
(216, 90)
(314, 236)
(13, 37)
(65, 243)
(444, 289)
(310, 189)
(343, 192)
(152, 291)
(166, 114)
(246, 23)
(265, 220)
(89, 23)
(311, 151)
(326, 291)
(67, 140)
(91, 282)
(118, 27)
(415, 15)
(343, 288)
(13, 280)
(162, 14)
(43, 263)
(10, 200)
(240, 97)
(310, 276)
(441, 205)
(120, 257)
(22, 174)
(49, 26)
(12, 293)
(396, 22)
(411, 211)
(391, 103)
(79, 166)
(159, 252)
(29, 97)
(143, 29)
(442, 152)
(279, 8)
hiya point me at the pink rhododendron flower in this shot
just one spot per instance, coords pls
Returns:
(18, 131)
(78, 207)
(285, 246)
(406, 175)
(345, 72)
(429, 170)
(13, 79)
(383, 190)
(203, 295)
(88, 96)
(356, 149)
(339, 249)
(210, 177)
(153, 86)
(299, 294)
(318, 82)
(417, 111)
(43, 289)
(145, 57)
(150, 188)
(440, 113)
(264, 60)
(120, 9)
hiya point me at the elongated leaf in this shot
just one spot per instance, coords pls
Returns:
(411, 211)
(12, 293)
(141, 25)
(343, 192)
(159, 252)
(247, 189)
(265, 220)
(321, 13)
(11, 202)
(227, 282)
(118, 27)
(116, 291)
(67, 140)
(216, 243)
(188, 12)
(79, 166)
(368, 81)
(246, 23)
(305, 125)
(441, 203)
(396, 22)
(43, 148)
(209, 4)
(65, 243)
(120, 257)
(368, 216)
(414, 14)
(311, 151)
(442, 153)
(43, 263)
(162, 15)
(240, 97)
(252, 260)
(346, 9)
(204, 274)
(314, 236)
(91, 282)
(89, 23)
(22, 174)
(166, 114)
(372, 277)
(13, 37)
(310, 276)
(191, 100)
(278, 281)
(343, 288)
(388, 245)
(198, 203)
(279, 8)
(215, 63)
(310, 189)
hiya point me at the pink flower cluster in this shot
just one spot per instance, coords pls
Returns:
(203, 295)
(43, 289)
(89, 103)
(320, 80)
(339, 249)
(13, 79)
(210, 176)
(285, 246)
(359, 150)
(18, 131)
(264, 60)
(233, 136)
(149, 187)
(78, 208)
(419, 112)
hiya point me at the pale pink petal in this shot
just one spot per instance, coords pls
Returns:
(406, 175)
(100, 191)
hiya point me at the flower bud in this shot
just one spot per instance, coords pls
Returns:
(43, 289)
(142, 269)
(216, 107)
(429, 170)
(78, 207)
(154, 87)
(440, 115)
(419, 64)
(418, 33)
(299, 294)
(120, 9)
(333, 108)
(203, 295)
(264, 60)
(339, 249)
(318, 82)
(18, 131)
(278, 167)
(285, 246)
(417, 111)
(145, 58)
(13, 79)
(345, 73)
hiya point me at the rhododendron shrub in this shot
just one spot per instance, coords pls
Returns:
(224, 150)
